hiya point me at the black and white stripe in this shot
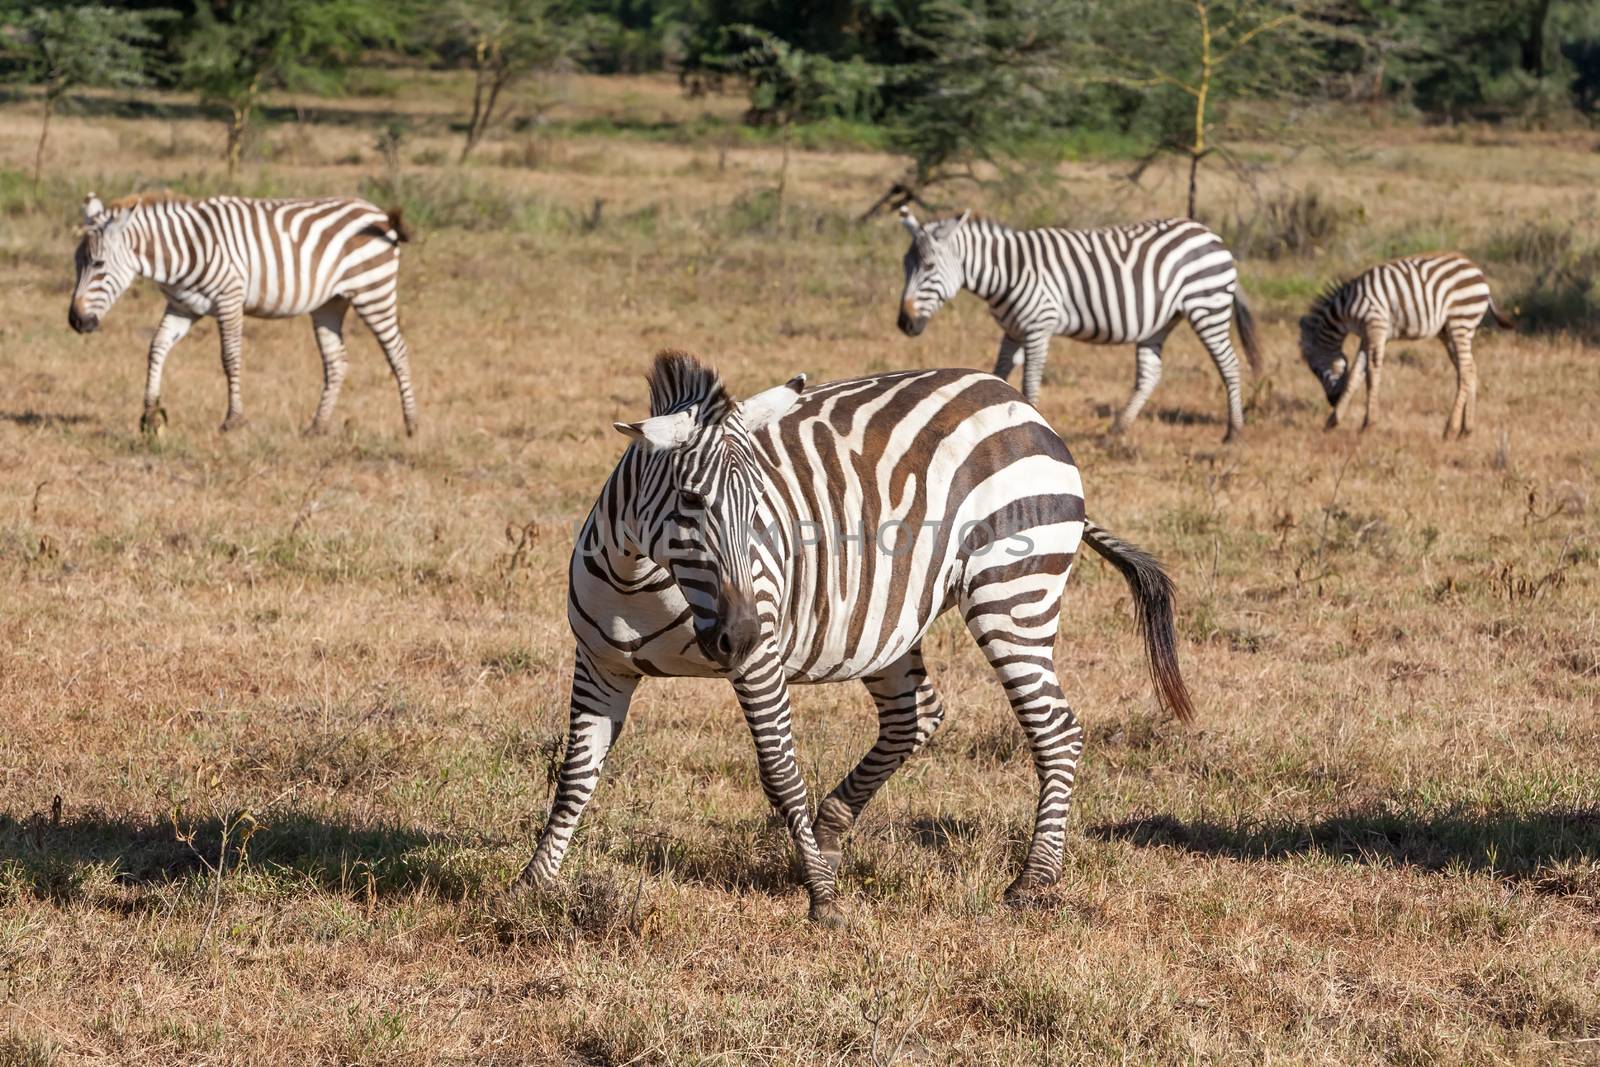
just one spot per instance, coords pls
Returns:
(1437, 294)
(814, 536)
(229, 257)
(1117, 285)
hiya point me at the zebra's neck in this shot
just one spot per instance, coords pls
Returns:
(984, 248)
(142, 240)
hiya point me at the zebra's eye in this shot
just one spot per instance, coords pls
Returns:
(692, 499)
(97, 264)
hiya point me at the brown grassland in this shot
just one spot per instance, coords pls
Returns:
(300, 698)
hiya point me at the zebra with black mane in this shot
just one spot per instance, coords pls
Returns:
(813, 535)
(1434, 294)
(230, 256)
(1116, 285)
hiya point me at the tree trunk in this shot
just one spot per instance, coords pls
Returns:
(44, 132)
(1533, 41)
(1194, 174)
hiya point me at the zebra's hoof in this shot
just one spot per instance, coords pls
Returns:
(316, 429)
(233, 422)
(1233, 436)
(153, 422)
(830, 916)
(1028, 891)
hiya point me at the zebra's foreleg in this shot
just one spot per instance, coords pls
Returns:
(1005, 362)
(1375, 347)
(174, 325)
(327, 322)
(1017, 631)
(909, 711)
(1352, 381)
(383, 319)
(599, 708)
(764, 696)
(1147, 374)
(230, 321)
(1035, 350)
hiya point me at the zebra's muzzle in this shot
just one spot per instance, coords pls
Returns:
(910, 325)
(733, 634)
(82, 323)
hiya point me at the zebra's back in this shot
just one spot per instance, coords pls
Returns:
(1420, 295)
(291, 255)
(1120, 284)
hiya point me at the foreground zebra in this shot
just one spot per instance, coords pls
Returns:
(229, 257)
(815, 538)
(1118, 285)
(1438, 294)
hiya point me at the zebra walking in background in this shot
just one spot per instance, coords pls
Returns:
(1117, 285)
(815, 537)
(229, 257)
(1437, 294)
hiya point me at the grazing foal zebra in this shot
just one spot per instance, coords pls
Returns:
(1437, 294)
(1118, 285)
(229, 257)
(815, 538)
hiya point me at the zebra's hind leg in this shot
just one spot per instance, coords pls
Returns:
(1458, 342)
(599, 708)
(327, 323)
(1213, 326)
(383, 319)
(909, 711)
(1013, 610)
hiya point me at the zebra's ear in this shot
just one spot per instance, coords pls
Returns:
(908, 220)
(759, 411)
(962, 221)
(661, 431)
(92, 209)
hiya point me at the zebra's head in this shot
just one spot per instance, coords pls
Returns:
(697, 490)
(105, 264)
(1322, 347)
(933, 270)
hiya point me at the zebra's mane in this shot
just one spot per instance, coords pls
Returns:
(679, 381)
(154, 196)
(1324, 300)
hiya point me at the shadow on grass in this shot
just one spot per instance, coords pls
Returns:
(32, 419)
(755, 855)
(1516, 845)
(56, 860)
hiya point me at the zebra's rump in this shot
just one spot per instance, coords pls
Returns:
(902, 491)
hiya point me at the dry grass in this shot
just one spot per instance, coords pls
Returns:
(300, 698)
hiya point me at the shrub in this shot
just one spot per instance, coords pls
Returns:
(1291, 224)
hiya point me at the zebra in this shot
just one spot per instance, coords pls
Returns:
(1118, 285)
(1435, 294)
(805, 536)
(230, 256)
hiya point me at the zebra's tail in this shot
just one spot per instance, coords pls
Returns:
(397, 223)
(1247, 332)
(1152, 599)
(1506, 321)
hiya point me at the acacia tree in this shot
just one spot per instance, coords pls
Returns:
(504, 42)
(993, 76)
(243, 49)
(64, 48)
(1205, 52)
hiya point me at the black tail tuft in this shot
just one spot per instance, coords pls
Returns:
(1152, 600)
(398, 224)
(1247, 332)
(1506, 321)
